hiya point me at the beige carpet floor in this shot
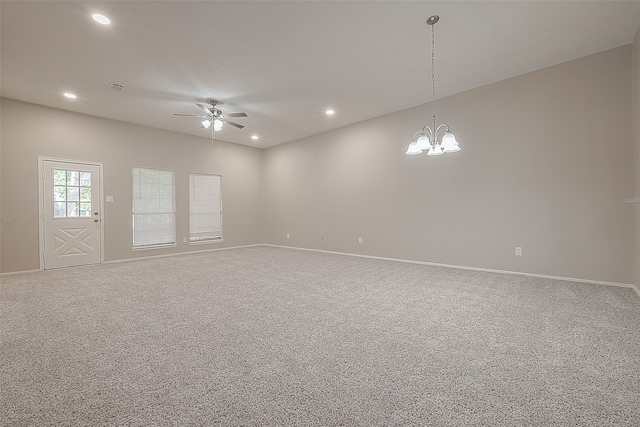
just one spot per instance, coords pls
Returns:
(268, 336)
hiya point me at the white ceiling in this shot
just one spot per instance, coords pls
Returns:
(285, 62)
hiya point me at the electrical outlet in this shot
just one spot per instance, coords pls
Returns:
(359, 239)
(321, 237)
(288, 235)
(518, 251)
(184, 240)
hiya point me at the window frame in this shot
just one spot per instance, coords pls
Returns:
(194, 240)
(153, 245)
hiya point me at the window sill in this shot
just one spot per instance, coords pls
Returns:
(160, 246)
(205, 242)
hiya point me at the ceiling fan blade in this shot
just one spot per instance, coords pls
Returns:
(190, 115)
(234, 124)
(205, 108)
(236, 115)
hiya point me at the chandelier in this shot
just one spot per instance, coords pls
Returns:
(426, 139)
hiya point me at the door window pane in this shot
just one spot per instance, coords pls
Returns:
(59, 209)
(72, 209)
(73, 177)
(85, 179)
(59, 193)
(85, 194)
(85, 209)
(73, 194)
(59, 177)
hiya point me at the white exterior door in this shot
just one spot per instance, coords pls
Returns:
(71, 214)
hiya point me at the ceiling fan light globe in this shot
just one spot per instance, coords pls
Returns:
(206, 124)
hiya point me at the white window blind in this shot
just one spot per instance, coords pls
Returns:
(205, 207)
(154, 207)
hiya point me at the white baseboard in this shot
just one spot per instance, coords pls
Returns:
(11, 273)
(180, 253)
(141, 258)
(462, 267)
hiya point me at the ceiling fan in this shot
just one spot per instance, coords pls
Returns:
(213, 115)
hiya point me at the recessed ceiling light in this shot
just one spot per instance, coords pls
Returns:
(101, 19)
(254, 137)
(70, 95)
(330, 112)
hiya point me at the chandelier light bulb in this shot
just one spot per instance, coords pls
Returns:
(436, 150)
(413, 149)
(449, 143)
(423, 143)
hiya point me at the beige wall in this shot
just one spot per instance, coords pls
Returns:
(636, 157)
(546, 164)
(29, 131)
(1, 190)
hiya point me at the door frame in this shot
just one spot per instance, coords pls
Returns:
(41, 189)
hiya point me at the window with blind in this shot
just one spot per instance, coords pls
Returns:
(205, 208)
(154, 207)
